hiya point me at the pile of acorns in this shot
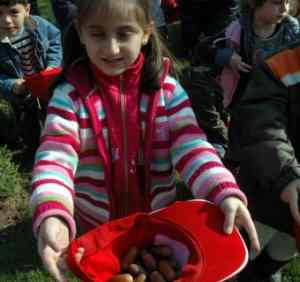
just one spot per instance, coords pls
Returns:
(153, 264)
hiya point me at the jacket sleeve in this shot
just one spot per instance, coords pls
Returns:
(6, 85)
(193, 157)
(223, 56)
(56, 161)
(261, 124)
(54, 47)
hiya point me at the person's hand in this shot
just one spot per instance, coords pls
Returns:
(53, 241)
(237, 64)
(19, 88)
(290, 195)
(236, 213)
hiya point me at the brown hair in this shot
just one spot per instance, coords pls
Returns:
(154, 50)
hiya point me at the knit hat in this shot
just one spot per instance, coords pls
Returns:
(192, 229)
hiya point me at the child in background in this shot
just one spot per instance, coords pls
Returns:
(267, 122)
(264, 26)
(28, 44)
(118, 126)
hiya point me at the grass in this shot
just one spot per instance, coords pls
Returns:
(18, 253)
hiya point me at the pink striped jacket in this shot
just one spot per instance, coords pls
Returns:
(73, 165)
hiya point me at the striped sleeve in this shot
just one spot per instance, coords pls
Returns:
(193, 157)
(55, 162)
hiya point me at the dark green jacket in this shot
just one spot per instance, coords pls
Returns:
(266, 123)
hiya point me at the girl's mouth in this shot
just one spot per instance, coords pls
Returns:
(113, 61)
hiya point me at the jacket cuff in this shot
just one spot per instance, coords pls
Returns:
(223, 57)
(53, 209)
(224, 191)
(6, 89)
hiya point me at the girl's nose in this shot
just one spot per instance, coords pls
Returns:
(7, 19)
(112, 46)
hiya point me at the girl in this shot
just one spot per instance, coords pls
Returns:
(118, 127)
(264, 26)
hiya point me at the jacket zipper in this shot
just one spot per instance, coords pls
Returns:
(125, 144)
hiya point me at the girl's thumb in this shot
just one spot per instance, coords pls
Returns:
(49, 232)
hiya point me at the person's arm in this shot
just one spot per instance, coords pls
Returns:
(52, 201)
(193, 157)
(55, 163)
(200, 167)
(6, 85)
(54, 42)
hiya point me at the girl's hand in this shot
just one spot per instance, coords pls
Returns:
(53, 241)
(237, 64)
(236, 213)
(290, 195)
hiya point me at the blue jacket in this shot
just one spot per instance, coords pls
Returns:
(46, 39)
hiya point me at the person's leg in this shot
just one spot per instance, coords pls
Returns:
(63, 11)
(278, 249)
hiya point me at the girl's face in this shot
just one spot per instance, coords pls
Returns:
(12, 19)
(113, 43)
(272, 11)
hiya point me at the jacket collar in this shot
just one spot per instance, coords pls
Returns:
(131, 76)
(90, 75)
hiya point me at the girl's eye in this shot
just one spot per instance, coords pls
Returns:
(97, 35)
(124, 35)
(14, 12)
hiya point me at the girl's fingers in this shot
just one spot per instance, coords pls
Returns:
(50, 261)
(229, 221)
(62, 263)
(79, 255)
(248, 224)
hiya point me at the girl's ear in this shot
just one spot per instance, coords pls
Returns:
(148, 32)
